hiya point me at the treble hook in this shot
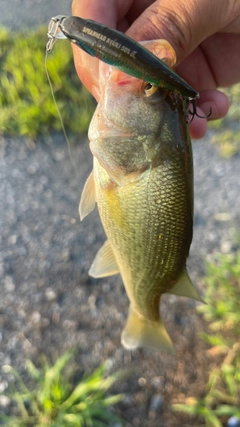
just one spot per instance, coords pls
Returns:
(194, 112)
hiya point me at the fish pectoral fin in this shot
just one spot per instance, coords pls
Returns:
(88, 199)
(105, 263)
(141, 332)
(185, 288)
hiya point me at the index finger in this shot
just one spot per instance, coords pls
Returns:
(88, 67)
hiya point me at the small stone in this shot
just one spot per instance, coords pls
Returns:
(36, 317)
(92, 301)
(49, 194)
(50, 294)
(109, 363)
(45, 322)
(222, 216)
(156, 402)
(66, 255)
(142, 382)
(3, 386)
(234, 422)
(12, 240)
(56, 317)
(9, 285)
(191, 401)
(6, 369)
(59, 155)
(31, 170)
(69, 324)
(21, 313)
(106, 288)
(158, 381)
(4, 401)
(79, 293)
(128, 400)
(226, 247)
(44, 180)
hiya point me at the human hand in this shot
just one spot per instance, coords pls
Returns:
(205, 35)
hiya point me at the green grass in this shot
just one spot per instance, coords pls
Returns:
(26, 102)
(222, 312)
(223, 296)
(227, 130)
(54, 400)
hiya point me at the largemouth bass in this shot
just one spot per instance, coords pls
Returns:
(142, 181)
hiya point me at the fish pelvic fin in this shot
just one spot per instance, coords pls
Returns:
(105, 263)
(185, 288)
(88, 199)
(141, 332)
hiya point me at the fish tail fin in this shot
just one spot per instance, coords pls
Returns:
(140, 332)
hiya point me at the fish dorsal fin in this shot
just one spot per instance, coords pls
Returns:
(141, 332)
(105, 263)
(185, 288)
(88, 199)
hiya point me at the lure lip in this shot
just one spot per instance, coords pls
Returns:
(82, 33)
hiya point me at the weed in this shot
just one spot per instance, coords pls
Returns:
(222, 397)
(222, 296)
(26, 103)
(56, 402)
(227, 130)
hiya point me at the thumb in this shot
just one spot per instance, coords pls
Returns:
(184, 23)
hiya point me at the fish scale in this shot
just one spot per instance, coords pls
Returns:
(144, 231)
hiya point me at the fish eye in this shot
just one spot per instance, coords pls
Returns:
(150, 89)
(153, 94)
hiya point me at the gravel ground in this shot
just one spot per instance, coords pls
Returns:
(18, 14)
(49, 304)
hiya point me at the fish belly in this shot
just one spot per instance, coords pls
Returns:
(148, 222)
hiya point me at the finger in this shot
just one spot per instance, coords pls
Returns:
(214, 63)
(216, 101)
(88, 67)
(105, 12)
(198, 127)
(184, 23)
(221, 51)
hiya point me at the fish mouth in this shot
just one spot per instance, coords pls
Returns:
(109, 130)
(119, 133)
(113, 135)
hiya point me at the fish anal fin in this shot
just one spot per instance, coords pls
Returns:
(105, 263)
(87, 202)
(141, 332)
(185, 288)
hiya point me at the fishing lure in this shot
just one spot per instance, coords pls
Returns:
(117, 49)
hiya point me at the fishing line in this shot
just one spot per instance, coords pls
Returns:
(59, 113)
